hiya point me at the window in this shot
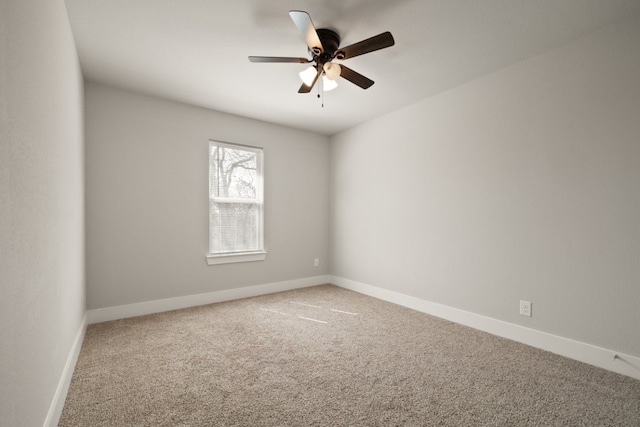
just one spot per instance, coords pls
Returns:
(235, 203)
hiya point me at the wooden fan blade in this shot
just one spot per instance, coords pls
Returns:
(371, 44)
(308, 31)
(355, 78)
(278, 59)
(306, 89)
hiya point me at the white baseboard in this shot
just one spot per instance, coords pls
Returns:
(601, 357)
(158, 306)
(57, 404)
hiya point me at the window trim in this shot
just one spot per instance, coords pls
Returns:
(234, 257)
(240, 256)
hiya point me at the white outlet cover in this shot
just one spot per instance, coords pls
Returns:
(525, 308)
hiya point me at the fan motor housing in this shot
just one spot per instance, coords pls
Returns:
(330, 42)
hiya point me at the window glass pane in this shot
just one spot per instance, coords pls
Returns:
(234, 227)
(233, 173)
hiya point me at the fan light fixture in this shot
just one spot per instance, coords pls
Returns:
(328, 84)
(309, 74)
(331, 70)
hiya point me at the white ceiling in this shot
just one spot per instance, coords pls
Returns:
(195, 51)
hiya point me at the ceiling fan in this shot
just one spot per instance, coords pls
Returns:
(324, 47)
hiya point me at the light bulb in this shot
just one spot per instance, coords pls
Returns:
(328, 84)
(332, 70)
(308, 75)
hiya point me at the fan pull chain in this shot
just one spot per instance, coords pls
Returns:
(321, 90)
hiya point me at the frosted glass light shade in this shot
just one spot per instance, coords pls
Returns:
(308, 75)
(331, 70)
(328, 84)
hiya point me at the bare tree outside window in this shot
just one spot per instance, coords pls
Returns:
(235, 198)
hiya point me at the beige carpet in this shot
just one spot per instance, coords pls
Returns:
(325, 356)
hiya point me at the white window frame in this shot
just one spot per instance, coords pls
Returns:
(240, 256)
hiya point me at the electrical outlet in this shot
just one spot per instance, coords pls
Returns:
(525, 308)
(316, 262)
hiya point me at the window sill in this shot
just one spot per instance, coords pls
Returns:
(215, 259)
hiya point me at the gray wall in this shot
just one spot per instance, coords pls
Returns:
(524, 184)
(147, 199)
(41, 205)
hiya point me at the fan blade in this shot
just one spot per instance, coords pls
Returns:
(355, 78)
(374, 43)
(305, 26)
(278, 59)
(306, 89)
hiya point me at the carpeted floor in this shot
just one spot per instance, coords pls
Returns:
(325, 356)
